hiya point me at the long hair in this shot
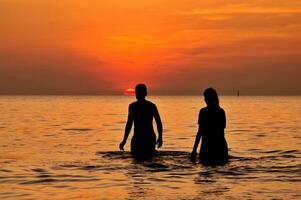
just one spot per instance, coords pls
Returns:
(211, 97)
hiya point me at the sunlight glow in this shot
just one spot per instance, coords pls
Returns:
(129, 92)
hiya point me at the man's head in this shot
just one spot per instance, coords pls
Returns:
(141, 91)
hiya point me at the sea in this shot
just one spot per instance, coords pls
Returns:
(66, 147)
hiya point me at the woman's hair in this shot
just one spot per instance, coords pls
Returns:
(211, 97)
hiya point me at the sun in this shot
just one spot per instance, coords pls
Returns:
(129, 92)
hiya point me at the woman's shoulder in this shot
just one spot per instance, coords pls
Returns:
(221, 110)
(203, 110)
(206, 109)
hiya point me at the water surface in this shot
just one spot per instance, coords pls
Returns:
(66, 147)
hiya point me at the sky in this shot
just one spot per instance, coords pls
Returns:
(175, 47)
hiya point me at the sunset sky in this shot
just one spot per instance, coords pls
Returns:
(174, 46)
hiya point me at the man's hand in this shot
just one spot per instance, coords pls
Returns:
(159, 142)
(121, 145)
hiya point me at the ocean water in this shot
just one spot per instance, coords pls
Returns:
(66, 147)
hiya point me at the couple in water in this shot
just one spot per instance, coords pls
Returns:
(212, 122)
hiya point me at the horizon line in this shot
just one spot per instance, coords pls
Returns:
(121, 94)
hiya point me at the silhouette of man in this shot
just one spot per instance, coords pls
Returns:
(212, 122)
(142, 112)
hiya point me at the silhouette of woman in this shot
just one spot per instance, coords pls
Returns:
(142, 113)
(212, 122)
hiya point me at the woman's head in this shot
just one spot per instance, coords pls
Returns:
(211, 97)
(141, 91)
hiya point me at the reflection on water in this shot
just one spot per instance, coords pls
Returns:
(67, 148)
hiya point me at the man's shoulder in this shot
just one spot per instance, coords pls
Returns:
(133, 104)
(144, 103)
(151, 104)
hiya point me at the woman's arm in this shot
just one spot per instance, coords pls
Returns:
(224, 119)
(197, 139)
(196, 142)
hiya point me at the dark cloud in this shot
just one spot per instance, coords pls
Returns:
(52, 72)
(268, 76)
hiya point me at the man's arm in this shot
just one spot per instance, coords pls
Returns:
(159, 127)
(128, 128)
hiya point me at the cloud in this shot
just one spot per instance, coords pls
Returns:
(256, 65)
(254, 7)
(259, 76)
(52, 72)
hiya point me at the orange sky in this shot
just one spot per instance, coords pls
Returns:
(175, 46)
